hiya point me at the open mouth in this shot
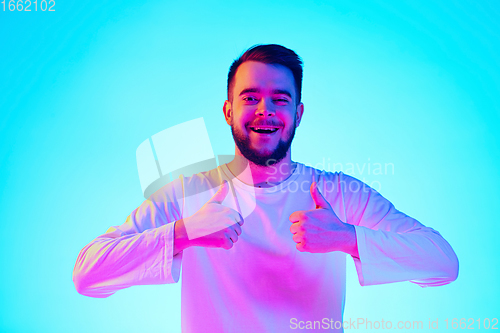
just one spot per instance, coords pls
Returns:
(264, 130)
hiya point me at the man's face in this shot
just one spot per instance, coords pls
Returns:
(263, 113)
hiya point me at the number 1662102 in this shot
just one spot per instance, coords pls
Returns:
(28, 6)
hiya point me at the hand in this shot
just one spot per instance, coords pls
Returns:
(320, 230)
(213, 225)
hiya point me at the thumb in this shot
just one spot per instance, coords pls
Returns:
(221, 193)
(318, 198)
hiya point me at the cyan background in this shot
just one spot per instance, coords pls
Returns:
(413, 83)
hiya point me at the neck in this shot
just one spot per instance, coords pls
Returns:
(261, 176)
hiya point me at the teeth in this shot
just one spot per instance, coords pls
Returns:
(264, 130)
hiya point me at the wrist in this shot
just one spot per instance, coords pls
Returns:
(181, 240)
(350, 241)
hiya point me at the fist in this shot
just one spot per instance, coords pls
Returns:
(319, 230)
(213, 225)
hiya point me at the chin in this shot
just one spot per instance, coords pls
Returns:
(264, 156)
(263, 152)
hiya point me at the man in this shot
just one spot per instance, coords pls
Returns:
(286, 258)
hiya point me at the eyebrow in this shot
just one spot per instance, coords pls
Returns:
(275, 92)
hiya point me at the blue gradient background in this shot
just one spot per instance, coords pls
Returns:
(411, 83)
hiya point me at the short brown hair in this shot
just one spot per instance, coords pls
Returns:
(268, 54)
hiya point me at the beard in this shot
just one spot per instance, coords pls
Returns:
(257, 157)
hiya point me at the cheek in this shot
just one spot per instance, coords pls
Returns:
(289, 120)
(242, 119)
(239, 124)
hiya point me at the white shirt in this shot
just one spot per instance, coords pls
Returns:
(263, 282)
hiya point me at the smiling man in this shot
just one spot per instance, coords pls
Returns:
(264, 114)
(282, 267)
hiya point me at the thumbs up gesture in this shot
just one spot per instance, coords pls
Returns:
(320, 230)
(213, 225)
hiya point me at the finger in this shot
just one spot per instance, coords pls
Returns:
(228, 242)
(237, 229)
(220, 195)
(238, 218)
(297, 238)
(318, 198)
(296, 216)
(233, 236)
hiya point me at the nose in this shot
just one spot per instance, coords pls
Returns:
(265, 108)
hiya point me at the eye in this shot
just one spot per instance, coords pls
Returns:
(249, 99)
(281, 100)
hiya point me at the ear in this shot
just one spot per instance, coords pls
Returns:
(228, 112)
(299, 112)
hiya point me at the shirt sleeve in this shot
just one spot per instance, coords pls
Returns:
(392, 246)
(138, 252)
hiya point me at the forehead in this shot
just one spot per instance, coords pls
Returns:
(252, 74)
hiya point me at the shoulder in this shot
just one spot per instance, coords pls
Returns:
(168, 191)
(318, 175)
(201, 181)
(333, 181)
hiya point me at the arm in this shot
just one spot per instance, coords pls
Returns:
(392, 246)
(138, 252)
(147, 248)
